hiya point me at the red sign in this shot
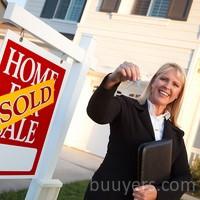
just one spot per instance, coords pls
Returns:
(29, 89)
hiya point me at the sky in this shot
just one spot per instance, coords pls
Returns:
(19, 2)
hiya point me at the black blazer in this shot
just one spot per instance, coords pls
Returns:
(130, 125)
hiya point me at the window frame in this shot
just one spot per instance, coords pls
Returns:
(150, 8)
(56, 9)
(66, 14)
(171, 14)
(70, 10)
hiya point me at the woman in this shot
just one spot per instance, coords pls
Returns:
(153, 116)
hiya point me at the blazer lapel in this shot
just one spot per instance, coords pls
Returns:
(145, 118)
(168, 131)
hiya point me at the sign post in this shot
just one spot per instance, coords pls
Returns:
(60, 127)
(28, 96)
(57, 87)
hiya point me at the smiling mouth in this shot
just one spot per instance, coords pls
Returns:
(163, 93)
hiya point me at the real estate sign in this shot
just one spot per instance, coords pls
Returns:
(30, 82)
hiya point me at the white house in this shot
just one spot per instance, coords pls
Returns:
(146, 32)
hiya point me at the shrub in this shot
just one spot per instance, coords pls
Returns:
(195, 171)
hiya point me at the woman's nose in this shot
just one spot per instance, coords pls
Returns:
(168, 85)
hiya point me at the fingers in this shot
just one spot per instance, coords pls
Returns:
(139, 193)
(145, 192)
(137, 72)
(125, 71)
(129, 71)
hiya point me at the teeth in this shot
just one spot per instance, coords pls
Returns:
(164, 93)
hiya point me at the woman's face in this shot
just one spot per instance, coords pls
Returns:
(166, 88)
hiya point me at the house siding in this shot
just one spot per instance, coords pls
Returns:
(148, 41)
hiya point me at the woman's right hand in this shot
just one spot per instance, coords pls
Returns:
(125, 71)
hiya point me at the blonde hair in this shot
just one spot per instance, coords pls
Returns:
(173, 107)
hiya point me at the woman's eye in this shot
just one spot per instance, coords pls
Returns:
(163, 78)
(176, 85)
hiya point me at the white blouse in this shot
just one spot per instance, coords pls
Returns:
(157, 121)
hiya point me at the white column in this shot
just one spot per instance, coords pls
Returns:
(192, 135)
(189, 115)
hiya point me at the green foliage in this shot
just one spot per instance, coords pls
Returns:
(195, 171)
(13, 195)
(72, 191)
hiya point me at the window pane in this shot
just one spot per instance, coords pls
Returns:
(75, 10)
(49, 8)
(62, 9)
(141, 7)
(160, 8)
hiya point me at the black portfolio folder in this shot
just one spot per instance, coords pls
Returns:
(154, 161)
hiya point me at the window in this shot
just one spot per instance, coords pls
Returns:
(151, 7)
(110, 5)
(159, 8)
(174, 9)
(63, 9)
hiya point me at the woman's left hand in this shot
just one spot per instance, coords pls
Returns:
(145, 192)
